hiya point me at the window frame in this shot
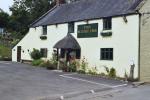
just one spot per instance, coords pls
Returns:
(44, 30)
(44, 52)
(106, 54)
(71, 27)
(107, 23)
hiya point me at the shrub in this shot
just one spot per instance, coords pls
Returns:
(112, 73)
(49, 65)
(81, 72)
(84, 66)
(54, 59)
(37, 62)
(35, 54)
(73, 66)
(93, 71)
(63, 66)
(5, 53)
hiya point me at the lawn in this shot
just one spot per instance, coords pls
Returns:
(5, 53)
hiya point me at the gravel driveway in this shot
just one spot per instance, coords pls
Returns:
(24, 82)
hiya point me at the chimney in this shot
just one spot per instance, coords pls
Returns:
(59, 2)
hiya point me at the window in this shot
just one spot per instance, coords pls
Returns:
(107, 24)
(78, 54)
(71, 27)
(106, 54)
(44, 52)
(62, 53)
(44, 30)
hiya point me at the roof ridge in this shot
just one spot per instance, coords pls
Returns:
(78, 11)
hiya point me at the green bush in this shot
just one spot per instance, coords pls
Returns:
(54, 58)
(5, 53)
(37, 62)
(93, 71)
(81, 72)
(36, 54)
(49, 65)
(73, 66)
(84, 66)
(112, 73)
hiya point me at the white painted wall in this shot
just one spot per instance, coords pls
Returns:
(125, 41)
(32, 40)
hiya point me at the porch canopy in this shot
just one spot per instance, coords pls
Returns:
(68, 42)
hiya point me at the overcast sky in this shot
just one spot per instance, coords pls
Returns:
(5, 4)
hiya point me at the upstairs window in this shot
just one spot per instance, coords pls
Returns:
(106, 53)
(107, 23)
(43, 52)
(71, 27)
(44, 30)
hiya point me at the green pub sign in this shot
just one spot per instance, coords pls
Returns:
(87, 30)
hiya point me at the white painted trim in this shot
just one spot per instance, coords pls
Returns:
(91, 82)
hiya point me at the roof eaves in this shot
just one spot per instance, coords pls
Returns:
(131, 13)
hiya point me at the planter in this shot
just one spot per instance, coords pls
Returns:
(43, 37)
(105, 34)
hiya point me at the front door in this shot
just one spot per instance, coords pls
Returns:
(18, 53)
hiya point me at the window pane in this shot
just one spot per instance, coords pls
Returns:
(62, 53)
(107, 24)
(44, 52)
(78, 54)
(44, 30)
(106, 54)
(71, 27)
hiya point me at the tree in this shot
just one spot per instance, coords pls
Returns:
(4, 19)
(24, 12)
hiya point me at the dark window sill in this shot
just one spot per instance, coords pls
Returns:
(105, 34)
(43, 37)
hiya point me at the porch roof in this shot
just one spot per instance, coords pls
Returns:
(68, 42)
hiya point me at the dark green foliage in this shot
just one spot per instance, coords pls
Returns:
(36, 62)
(24, 12)
(112, 73)
(4, 19)
(49, 65)
(73, 66)
(35, 54)
(5, 53)
(81, 72)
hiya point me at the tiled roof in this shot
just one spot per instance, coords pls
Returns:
(87, 9)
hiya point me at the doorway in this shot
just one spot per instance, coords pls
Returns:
(18, 53)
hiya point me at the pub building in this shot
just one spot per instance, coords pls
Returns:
(112, 33)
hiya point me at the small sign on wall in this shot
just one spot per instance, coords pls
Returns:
(87, 30)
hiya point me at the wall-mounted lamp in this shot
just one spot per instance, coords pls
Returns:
(56, 25)
(125, 19)
(87, 21)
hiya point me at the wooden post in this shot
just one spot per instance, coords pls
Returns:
(58, 63)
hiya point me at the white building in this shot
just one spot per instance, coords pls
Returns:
(107, 32)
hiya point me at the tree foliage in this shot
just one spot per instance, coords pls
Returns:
(4, 19)
(24, 12)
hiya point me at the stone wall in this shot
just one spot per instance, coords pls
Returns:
(145, 41)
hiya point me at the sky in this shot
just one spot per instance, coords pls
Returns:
(5, 4)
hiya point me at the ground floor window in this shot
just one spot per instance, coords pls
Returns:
(43, 52)
(106, 53)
